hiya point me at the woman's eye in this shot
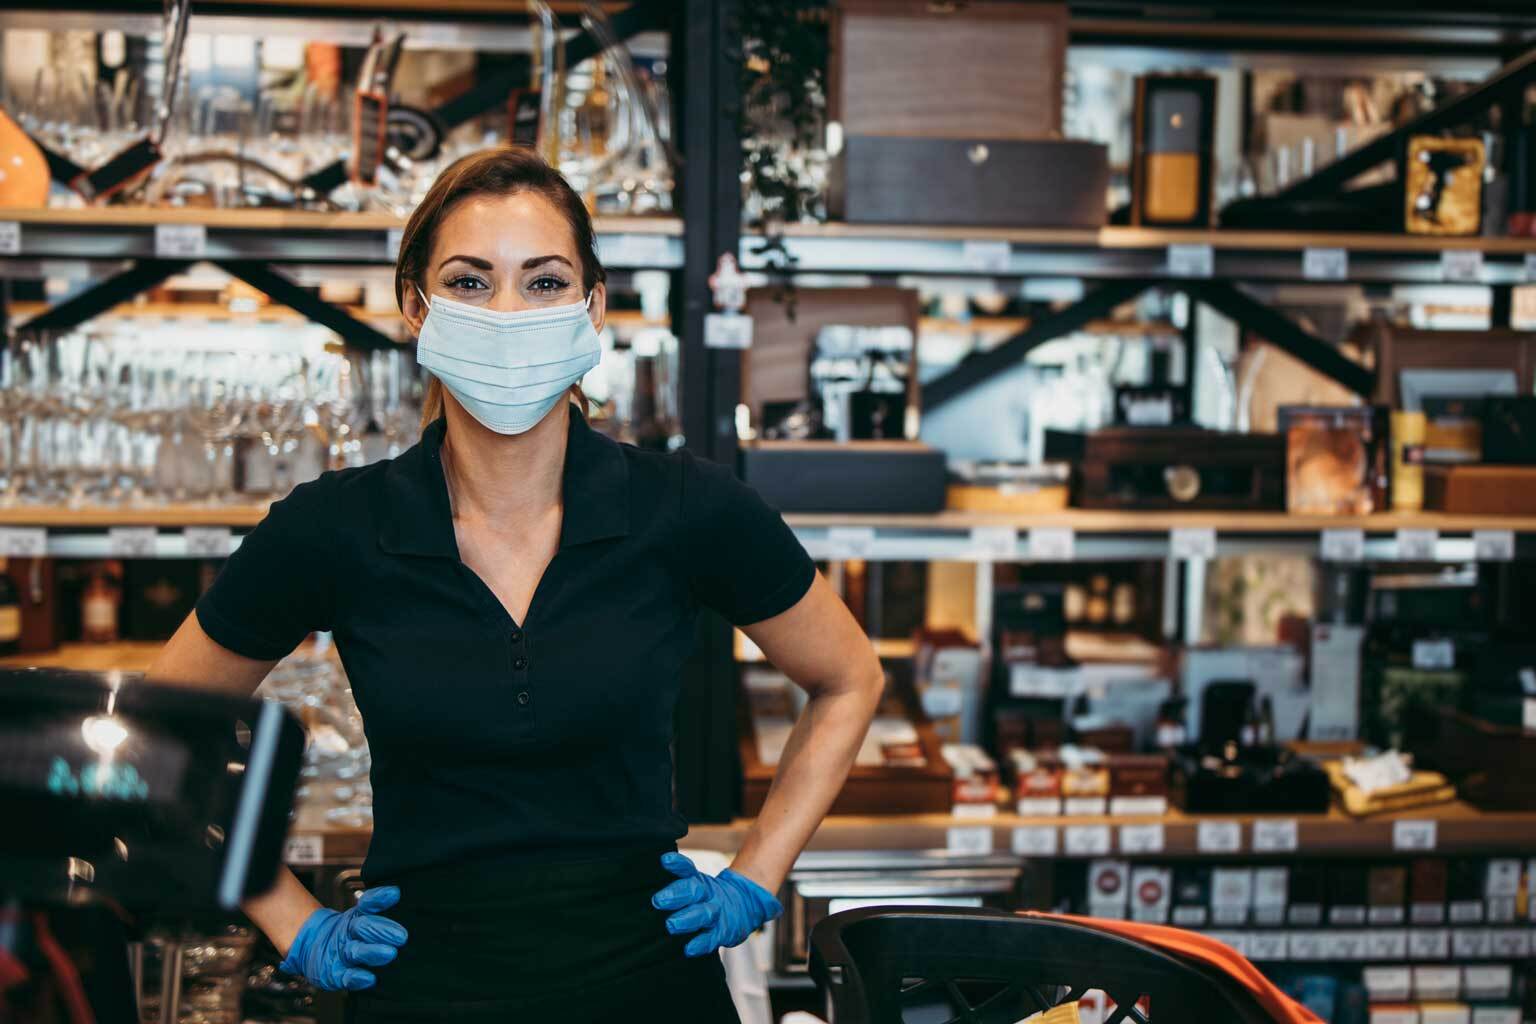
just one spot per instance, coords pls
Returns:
(547, 285)
(466, 283)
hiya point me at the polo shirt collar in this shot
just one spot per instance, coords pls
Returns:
(595, 488)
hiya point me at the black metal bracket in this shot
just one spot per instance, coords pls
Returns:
(281, 288)
(99, 298)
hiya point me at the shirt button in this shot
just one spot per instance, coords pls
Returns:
(520, 664)
(523, 698)
(517, 636)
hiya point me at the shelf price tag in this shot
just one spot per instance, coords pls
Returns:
(1142, 838)
(987, 256)
(304, 851)
(1052, 544)
(1086, 840)
(1343, 545)
(995, 543)
(635, 250)
(727, 330)
(1325, 264)
(10, 238)
(1417, 545)
(208, 541)
(1276, 835)
(1461, 266)
(1219, 837)
(1530, 267)
(1433, 655)
(132, 541)
(1191, 260)
(1413, 835)
(24, 542)
(850, 541)
(392, 239)
(1494, 545)
(1192, 542)
(181, 241)
(975, 840)
(1035, 841)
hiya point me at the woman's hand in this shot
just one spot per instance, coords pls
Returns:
(334, 948)
(724, 909)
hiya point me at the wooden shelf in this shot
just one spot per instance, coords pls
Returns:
(264, 219)
(125, 655)
(168, 516)
(1097, 521)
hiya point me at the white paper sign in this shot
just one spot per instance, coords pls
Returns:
(1035, 841)
(1429, 943)
(986, 256)
(1417, 545)
(1052, 544)
(10, 238)
(1142, 838)
(1267, 946)
(1330, 264)
(208, 541)
(1197, 260)
(132, 541)
(1463, 266)
(1431, 655)
(1494, 545)
(851, 541)
(635, 250)
(1413, 835)
(1276, 835)
(392, 239)
(727, 330)
(975, 840)
(1192, 542)
(24, 541)
(997, 543)
(1086, 840)
(1219, 837)
(304, 850)
(181, 241)
(1343, 545)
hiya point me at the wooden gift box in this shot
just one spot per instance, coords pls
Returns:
(1476, 489)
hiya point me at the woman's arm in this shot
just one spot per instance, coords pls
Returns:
(191, 657)
(817, 644)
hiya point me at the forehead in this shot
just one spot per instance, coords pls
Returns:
(503, 229)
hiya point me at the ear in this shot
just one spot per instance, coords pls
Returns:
(412, 308)
(599, 308)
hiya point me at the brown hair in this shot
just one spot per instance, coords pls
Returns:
(502, 171)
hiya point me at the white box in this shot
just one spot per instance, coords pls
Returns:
(1347, 914)
(1306, 945)
(1387, 944)
(1232, 887)
(1395, 1015)
(1389, 984)
(1487, 981)
(1445, 1013)
(1271, 886)
(1503, 877)
(1514, 943)
(1335, 677)
(1109, 883)
(1501, 909)
(1151, 893)
(1344, 944)
(1427, 913)
(1495, 1015)
(1467, 911)
(1436, 982)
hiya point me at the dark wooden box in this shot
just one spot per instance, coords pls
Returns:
(1172, 468)
(1481, 490)
(856, 476)
(1490, 764)
(987, 182)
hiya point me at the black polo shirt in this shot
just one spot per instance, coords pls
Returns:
(546, 739)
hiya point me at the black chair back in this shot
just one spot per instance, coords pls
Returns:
(948, 965)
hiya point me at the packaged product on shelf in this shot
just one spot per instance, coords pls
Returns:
(1084, 782)
(947, 674)
(1347, 894)
(1271, 895)
(1408, 437)
(1334, 457)
(1389, 984)
(1394, 1013)
(1138, 784)
(1427, 882)
(1502, 889)
(1191, 895)
(1151, 893)
(1436, 981)
(1445, 1013)
(1036, 785)
(1387, 889)
(1487, 981)
(1231, 895)
(1467, 890)
(1109, 884)
(1496, 1015)
(1334, 676)
(1308, 893)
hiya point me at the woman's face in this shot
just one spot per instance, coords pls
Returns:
(504, 253)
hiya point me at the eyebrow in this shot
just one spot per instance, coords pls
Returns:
(528, 264)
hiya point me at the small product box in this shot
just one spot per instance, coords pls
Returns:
(1466, 890)
(1231, 895)
(1427, 891)
(1394, 1013)
(1138, 784)
(1271, 895)
(1387, 890)
(1471, 943)
(976, 780)
(1347, 895)
(1390, 984)
(1495, 1015)
(1308, 890)
(1487, 981)
(1191, 896)
(1085, 790)
(1036, 786)
(1445, 1013)
(1502, 889)
(1109, 888)
(1151, 894)
(1436, 982)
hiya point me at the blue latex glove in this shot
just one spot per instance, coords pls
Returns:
(724, 909)
(334, 948)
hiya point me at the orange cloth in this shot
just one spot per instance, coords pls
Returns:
(1204, 950)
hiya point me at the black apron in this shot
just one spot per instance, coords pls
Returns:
(499, 942)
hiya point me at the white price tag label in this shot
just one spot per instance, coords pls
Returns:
(1461, 266)
(181, 241)
(1494, 545)
(132, 541)
(1343, 545)
(10, 238)
(1142, 838)
(1432, 655)
(1219, 837)
(635, 250)
(1197, 260)
(851, 541)
(1530, 267)
(392, 239)
(208, 541)
(987, 256)
(1268, 946)
(1276, 835)
(1035, 841)
(304, 851)
(1052, 544)
(727, 330)
(1193, 542)
(998, 543)
(975, 840)
(1328, 264)
(24, 541)
(1086, 840)
(1429, 943)
(1415, 545)
(1413, 835)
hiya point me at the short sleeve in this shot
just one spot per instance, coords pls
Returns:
(742, 559)
(277, 587)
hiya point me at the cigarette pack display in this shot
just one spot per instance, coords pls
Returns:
(1445, 1013)
(1151, 893)
(1388, 984)
(1109, 884)
(1486, 981)
(1308, 893)
(1495, 1015)
(1394, 1013)
(1427, 891)
(1502, 889)
(1466, 889)
(1231, 895)
(1436, 982)
(1348, 893)
(1138, 784)
(1036, 784)
(1191, 895)
(1387, 886)
(1271, 895)
(1085, 790)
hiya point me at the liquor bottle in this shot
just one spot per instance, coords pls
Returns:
(99, 606)
(1250, 731)
(1266, 723)
(649, 427)
(10, 613)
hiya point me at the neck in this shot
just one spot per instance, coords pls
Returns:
(504, 478)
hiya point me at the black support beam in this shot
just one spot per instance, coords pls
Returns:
(283, 290)
(99, 298)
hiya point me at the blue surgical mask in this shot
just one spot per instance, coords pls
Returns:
(507, 370)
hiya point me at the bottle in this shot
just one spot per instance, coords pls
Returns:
(10, 613)
(1249, 735)
(1408, 435)
(1266, 723)
(99, 605)
(1170, 733)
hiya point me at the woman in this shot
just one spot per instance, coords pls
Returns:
(513, 599)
